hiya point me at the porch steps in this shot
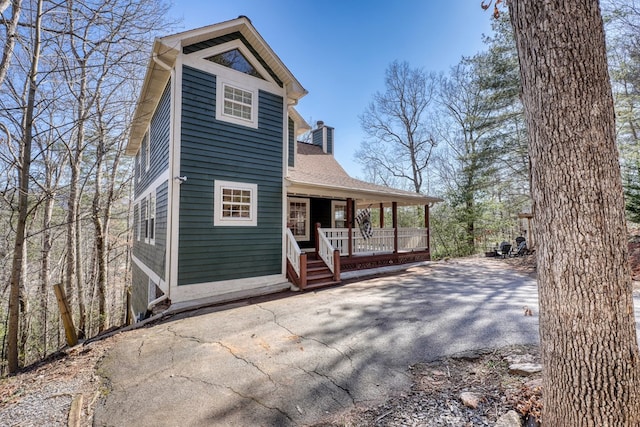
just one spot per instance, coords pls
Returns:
(319, 275)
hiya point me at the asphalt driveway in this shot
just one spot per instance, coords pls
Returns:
(294, 360)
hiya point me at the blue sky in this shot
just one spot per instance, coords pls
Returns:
(339, 49)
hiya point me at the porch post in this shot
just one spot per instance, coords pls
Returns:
(336, 265)
(394, 216)
(381, 215)
(315, 230)
(350, 225)
(303, 270)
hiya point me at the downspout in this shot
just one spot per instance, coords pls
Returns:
(162, 65)
(156, 302)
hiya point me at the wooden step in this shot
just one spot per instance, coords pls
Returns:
(316, 269)
(321, 284)
(320, 276)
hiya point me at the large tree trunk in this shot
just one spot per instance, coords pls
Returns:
(587, 325)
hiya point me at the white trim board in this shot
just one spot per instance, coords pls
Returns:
(211, 289)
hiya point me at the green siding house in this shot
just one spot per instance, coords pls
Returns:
(228, 203)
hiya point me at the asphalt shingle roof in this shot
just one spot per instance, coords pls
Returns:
(314, 168)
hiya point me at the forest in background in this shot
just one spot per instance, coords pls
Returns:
(461, 136)
(70, 73)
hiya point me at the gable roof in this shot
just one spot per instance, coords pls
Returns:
(163, 58)
(319, 174)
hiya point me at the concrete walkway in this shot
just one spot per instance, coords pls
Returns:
(294, 360)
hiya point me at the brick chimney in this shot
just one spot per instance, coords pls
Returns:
(322, 136)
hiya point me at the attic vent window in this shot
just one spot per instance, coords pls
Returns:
(235, 60)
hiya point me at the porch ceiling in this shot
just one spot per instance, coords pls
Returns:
(362, 195)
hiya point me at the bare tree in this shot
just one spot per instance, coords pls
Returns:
(19, 251)
(90, 56)
(399, 144)
(11, 34)
(589, 346)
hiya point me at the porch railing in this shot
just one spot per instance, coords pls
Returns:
(293, 252)
(325, 250)
(413, 238)
(381, 240)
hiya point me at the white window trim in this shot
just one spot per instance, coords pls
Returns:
(219, 220)
(307, 228)
(220, 114)
(143, 219)
(152, 216)
(137, 167)
(335, 203)
(138, 219)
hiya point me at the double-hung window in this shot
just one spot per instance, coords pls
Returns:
(236, 104)
(144, 220)
(339, 210)
(235, 204)
(152, 218)
(136, 220)
(148, 222)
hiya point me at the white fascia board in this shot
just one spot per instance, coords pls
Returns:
(156, 77)
(372, 196)
(301, 124)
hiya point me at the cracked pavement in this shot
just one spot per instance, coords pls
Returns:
(294, 360)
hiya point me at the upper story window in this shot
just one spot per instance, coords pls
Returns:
(236, 104)
(235, 60)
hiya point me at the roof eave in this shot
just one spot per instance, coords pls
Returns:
(369, 196)
(162, 60)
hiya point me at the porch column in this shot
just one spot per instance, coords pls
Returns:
(317, 237)
(394, 216)
(381, 215)
(350, 225)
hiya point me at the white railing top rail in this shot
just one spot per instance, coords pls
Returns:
(381, 240)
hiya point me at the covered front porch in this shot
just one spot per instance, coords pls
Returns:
(338, 223)
(358, 235)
